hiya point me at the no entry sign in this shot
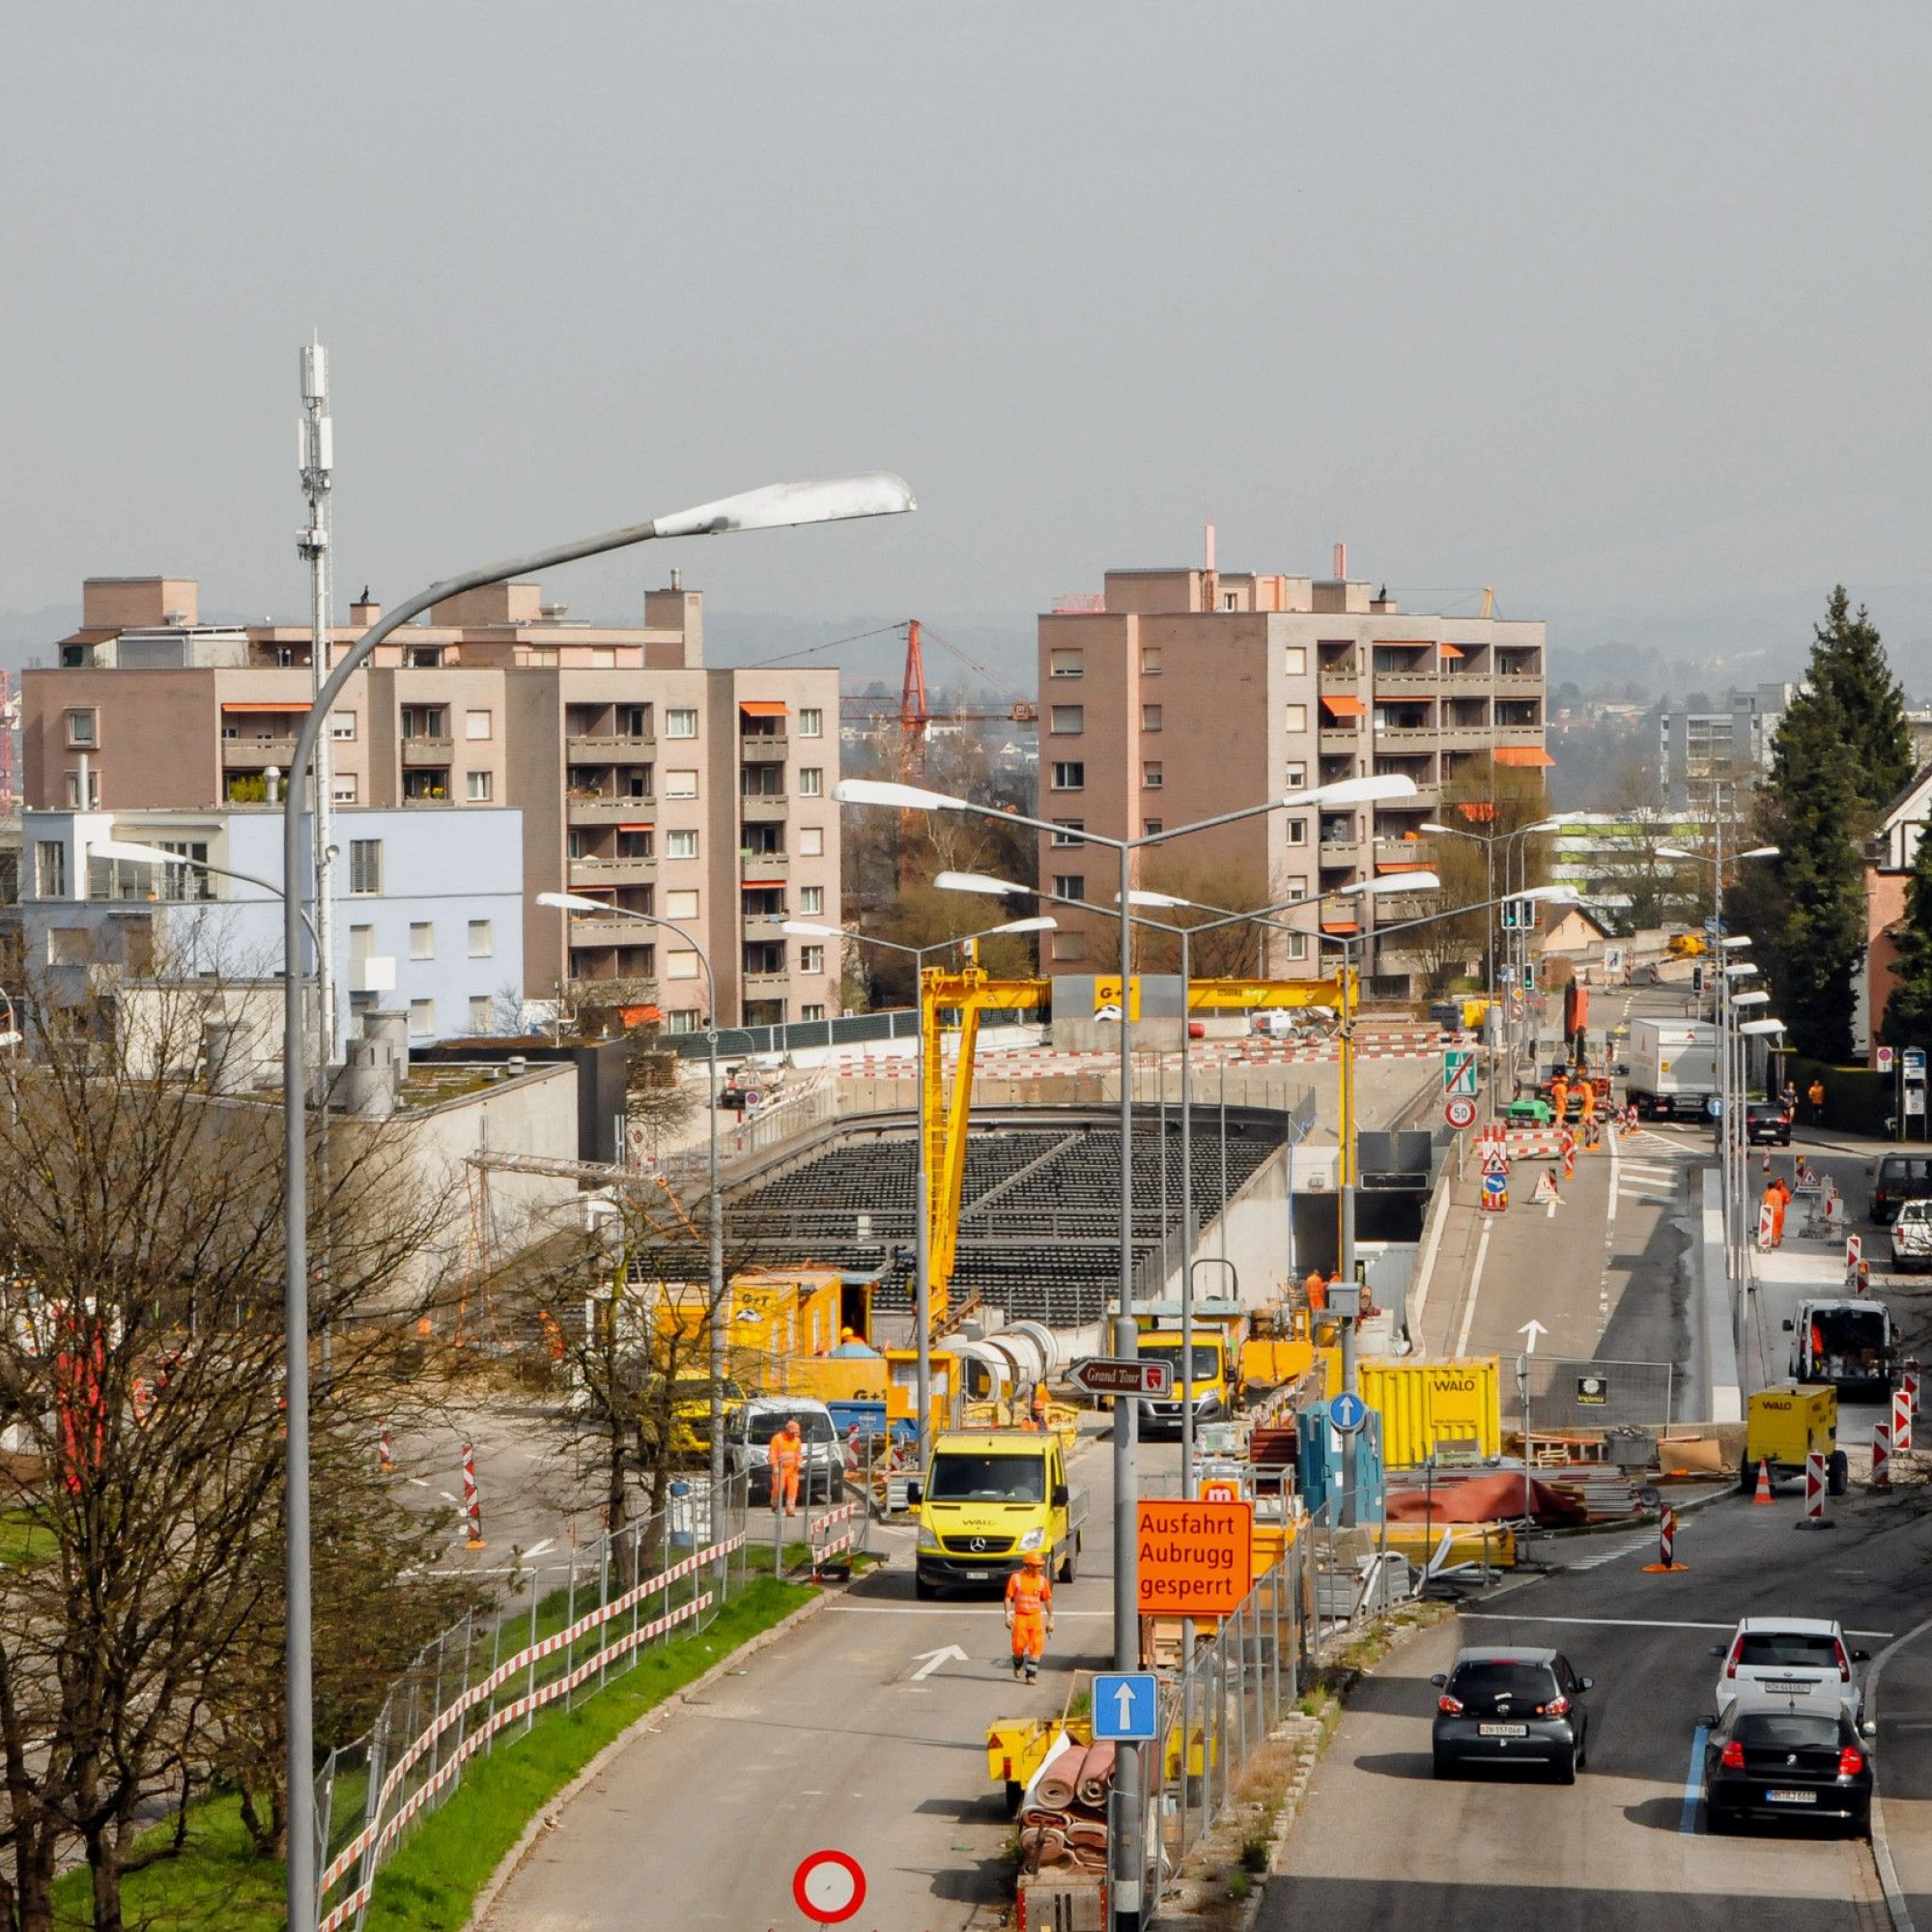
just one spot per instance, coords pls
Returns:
(829, 1887)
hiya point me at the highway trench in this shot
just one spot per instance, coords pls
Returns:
(860, 1732)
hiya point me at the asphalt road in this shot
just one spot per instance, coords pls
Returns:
(1382, 1843)
(831, 1739)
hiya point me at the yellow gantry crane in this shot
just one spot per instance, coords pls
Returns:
(968, 991)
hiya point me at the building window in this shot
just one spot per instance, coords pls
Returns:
(1151, 661)
(342, 787)
(811, 959)
(1298, 946)
(422, 1018)
(634, 721)
(1295, 717)
(365, 865)
(422, 939)
(479, 787)
(680, 784)
(811, 842)
(482, 1013)
(1066, 664)
(361, 942)
(1294, 660)
(66, 946)
(813, 1009)
(680, 845)
(681, 905)
(1150, 717)
(810, 721)
(425, 720)
(811, 900)
(1070, 776)
(1068, 720)
(1070, 885)
(184, 882)
(482, 942)
(1068, 945)
(1298, 775)
(680, 963)
(476, 725)
(634, 842)
(83, 729)
(1066, 829)
(812, 782)
(1151, 778)
(50, 869)
(342, 725)
(1298, 832)
(91, 802)
(680, 723)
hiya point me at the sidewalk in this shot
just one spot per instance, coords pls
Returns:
(1898, 1688)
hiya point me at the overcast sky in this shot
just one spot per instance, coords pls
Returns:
(1608, 306)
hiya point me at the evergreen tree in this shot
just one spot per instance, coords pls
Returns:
(1848, 663)
(1908, 1012)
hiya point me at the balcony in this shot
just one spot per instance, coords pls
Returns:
(767, 984)
(765, 925)
(613, 872)
(1336, 740)
(599, 751)
(428, 750)
(763, 808)
(1404, 852)
(256, 754)
(601, 807)
(767, 749)
(763, 864)
(1420, 683)
(610, 929)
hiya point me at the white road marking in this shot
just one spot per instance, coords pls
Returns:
(1475, 1285)
(1615, 1187)
(538, 1549)
(929, 1661)
(1598, 1558)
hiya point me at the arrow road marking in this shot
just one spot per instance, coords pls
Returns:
(1123, 1699)
(929, 1661)
(1533, 1328)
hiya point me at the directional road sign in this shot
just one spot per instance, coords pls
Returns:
(1123, 1706)
(1347, 1412)
(1122, 1375)
(1459, 1070)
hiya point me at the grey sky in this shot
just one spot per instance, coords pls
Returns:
(1606, 307)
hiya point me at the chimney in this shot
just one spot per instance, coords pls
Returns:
(365, 612)
(1340, 561)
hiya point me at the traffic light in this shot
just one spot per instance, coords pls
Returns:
(1519, 915)
(1529, 976)
(1696, 978)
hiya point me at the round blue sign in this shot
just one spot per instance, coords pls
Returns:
(1347, 1412)
(1714, 1106)
(1495, 1183)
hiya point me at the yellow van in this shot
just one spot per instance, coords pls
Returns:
(990, 1496)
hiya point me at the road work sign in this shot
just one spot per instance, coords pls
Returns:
(1196, 1559)
(1123, 1706)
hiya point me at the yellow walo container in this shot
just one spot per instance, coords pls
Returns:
(1433, 1408)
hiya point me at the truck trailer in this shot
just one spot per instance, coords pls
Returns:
(1673, 1068)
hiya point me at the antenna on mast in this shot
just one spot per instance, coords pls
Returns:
(316, 464)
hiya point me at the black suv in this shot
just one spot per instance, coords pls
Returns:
(1899, 1178)
(1511, 1707)
(1767, 1123)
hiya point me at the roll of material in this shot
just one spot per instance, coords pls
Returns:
(1059, 1783)
(1095, 1777)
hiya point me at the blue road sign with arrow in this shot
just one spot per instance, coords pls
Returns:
(1123, 1706)
(1347, 1412)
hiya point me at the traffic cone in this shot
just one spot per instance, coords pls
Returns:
(1763, 1494)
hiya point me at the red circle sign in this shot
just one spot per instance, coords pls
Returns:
(828, 1888)
(1461, 1112)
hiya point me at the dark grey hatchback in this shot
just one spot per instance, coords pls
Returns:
(1511, 1707)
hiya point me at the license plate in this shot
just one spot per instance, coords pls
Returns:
(1502, 1730)
(978, 1576)
(1791, 1797)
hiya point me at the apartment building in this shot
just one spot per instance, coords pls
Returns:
(1704, 754)
(643, 778)
(1179, 694)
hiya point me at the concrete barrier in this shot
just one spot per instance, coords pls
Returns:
(1714, 1333)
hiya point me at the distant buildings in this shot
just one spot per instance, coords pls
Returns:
(1702, 753)
(1179, 694)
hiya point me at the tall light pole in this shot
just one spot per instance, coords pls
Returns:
(777, 506)
(921, 1298)
(1127, 1867)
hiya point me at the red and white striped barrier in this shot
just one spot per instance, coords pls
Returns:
(1881, 1475)
(1666, 1544)
(1901, 1420)
(472, 1503)
(821, 1552)
(1814, 1491)
(1909, 1382)
(376, 1837)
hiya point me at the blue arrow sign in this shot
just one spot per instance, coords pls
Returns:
(1347, 1412)
(1123, 1706)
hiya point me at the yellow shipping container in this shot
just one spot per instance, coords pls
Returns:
(1425, 1406)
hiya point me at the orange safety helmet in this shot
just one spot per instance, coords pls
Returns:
(1034, 1560)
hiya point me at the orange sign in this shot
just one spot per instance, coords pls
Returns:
(1196, 1559)
(1219, 1490)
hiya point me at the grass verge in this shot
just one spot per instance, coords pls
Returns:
(432, 1882)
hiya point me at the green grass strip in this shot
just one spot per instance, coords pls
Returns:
(431, 1883)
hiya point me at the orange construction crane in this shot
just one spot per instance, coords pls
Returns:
(915, 714)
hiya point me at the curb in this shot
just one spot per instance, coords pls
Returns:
(1881, 1844)
(547, 1814)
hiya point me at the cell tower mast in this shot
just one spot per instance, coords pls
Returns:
(317, 465)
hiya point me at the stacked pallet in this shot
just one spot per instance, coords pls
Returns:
(1063, 1825)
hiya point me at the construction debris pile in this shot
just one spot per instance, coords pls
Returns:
(1063, 1821)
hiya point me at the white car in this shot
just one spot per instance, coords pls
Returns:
(1803, 1658)
(1912, 1236)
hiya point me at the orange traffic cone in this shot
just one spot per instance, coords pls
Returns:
(1763, 1494)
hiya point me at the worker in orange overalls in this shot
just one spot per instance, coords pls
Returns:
(1029, 1613)
(1559, 1099)
(1040, 1405)
(1779, 1196)
(1317, 1289)
(1589, 1109)
(786, 1454)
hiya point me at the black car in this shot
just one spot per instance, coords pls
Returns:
(1787, 1761)
(1511, 1707)
(1767, 1123)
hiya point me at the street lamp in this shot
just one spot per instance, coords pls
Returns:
(776, 506)
(923, 1183)
(1127, 1860)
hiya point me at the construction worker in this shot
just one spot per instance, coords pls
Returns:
(786, 1454)
(1039, 1406)
(1589, 1109)
(1317, 1290)
(1559, 1099)
(1030, 1614)
(1815, 1093)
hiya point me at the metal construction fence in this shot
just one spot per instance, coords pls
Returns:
(1571, 1393)
(571, 1628)
(853, 1030)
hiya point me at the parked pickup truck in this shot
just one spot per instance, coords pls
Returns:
(1912, 1236)
(990, 1496)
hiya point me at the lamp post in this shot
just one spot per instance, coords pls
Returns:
(1127, 1862)
(923, 1171)
(777, 506)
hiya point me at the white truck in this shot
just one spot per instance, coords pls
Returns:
(1673, 1068)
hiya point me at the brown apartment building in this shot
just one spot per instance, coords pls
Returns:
(646, 780)
(1176, 694)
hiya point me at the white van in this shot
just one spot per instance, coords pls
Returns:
(748, 1439)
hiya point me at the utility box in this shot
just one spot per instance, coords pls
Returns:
(1322, 1465)
(1785, 1424)
(1427, 1408)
